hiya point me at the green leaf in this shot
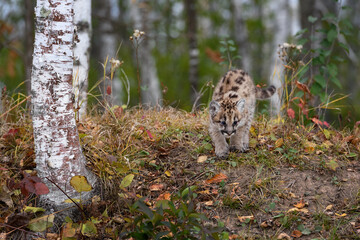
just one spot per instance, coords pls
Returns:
(344, 46)
(331, 35)
(88, 229)
(232, 49)
(127, 181)
(312, 19)
(231, 42)
(302, 31)
(320, 80)
(80, 184)
(332, 68)
(336, 81)
(42, 223)
(185, 192)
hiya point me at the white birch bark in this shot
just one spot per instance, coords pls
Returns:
(82, 20)
(108, 11)
(151, 94)
(241, 32)
(281, 26)
(57, 148)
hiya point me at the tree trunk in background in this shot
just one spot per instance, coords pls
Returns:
(108, 43)
(28, 41)
(280, 26)
(241, 33)
(191, 22)
(151, 94)
(56, 139)
(82, 21)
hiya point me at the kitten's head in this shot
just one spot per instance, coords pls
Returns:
(227, 115)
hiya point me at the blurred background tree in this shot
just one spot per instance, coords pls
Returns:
(184, 50)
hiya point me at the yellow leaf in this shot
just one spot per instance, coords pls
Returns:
(80, 184)
(309, 146)
(201, 159)
(329, 207)
(168, 173)
(341, 215)
(253, 131)
(332, 164)
(279, 143)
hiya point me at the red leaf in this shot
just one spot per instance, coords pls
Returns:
(302, 87)
(326, 124)
(149, 134)
(108, 90)
(41, 188)
(317, 121)
(11, 133)
(291, 113)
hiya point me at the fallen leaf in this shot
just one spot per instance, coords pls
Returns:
(332, 164)
(209, 203)
(341, 215)
(168, 173)
(328, 207)
(279, 143)
(156, 187)
(201, 159)
(283, 236)
(266, 224)
(217, 178)
(300, 204)
(303, 210)
(164, 196)
(296, 234)
(246, 218)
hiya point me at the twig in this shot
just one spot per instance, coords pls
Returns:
(77, 205)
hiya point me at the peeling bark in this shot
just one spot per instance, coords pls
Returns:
(82, 19)
(57, 148)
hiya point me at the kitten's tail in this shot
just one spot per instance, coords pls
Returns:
(264, 93)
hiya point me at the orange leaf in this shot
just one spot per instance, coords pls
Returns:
(108, 90)
(217, 178)
(300, 204)
(296, 234)
(164, 196)
(156, 187)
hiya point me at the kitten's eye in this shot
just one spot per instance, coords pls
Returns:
(223, 123)
(235, 123)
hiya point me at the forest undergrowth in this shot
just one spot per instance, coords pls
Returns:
(160, 178)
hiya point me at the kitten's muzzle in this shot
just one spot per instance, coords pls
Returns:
(228, 133)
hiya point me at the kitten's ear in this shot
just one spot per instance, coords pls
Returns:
(214, 107)
(240, 105)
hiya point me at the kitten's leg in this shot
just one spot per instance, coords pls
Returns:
(221, 146)
(236, 140)
(245, 137)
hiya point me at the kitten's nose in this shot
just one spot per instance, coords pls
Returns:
(229, 133)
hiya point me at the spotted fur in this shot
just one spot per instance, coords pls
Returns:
(232, 110)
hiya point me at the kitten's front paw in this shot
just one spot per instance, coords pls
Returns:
(222, 154)
(241, 148)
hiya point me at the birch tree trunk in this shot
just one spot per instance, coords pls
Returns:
(281, 27)
(191, 22)
(108, 14)
(151, 94)
(57, 148)
(241, 32)
(82, 20)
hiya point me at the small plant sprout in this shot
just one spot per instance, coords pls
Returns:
(136, 39)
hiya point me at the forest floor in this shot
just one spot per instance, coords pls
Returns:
(295, 182)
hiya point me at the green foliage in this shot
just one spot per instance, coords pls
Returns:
(228, 50)
(172, 219)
